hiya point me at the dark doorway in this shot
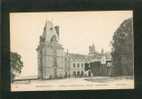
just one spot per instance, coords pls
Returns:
(89, 73)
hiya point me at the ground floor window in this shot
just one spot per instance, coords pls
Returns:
(78, 73)
(74, 73)
(82, 73)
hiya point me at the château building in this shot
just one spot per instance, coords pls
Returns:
(54, 62)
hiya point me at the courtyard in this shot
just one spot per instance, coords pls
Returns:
(85, 83)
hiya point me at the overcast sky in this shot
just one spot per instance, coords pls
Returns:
(78, 30)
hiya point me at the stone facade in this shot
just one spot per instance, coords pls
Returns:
(50, 54)
(54, 62)
(76, 64)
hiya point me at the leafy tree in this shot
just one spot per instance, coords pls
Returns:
(122, 54)
(87, 66)
(16, 64)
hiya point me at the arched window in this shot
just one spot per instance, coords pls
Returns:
(53, 39)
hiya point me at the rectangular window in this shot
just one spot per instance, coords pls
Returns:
(74, 65)
(78, 65)
(82, 65)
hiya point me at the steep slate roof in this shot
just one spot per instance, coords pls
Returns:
(98, 56)
(78, 56)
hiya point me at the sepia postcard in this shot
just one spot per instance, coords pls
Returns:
(71, 50)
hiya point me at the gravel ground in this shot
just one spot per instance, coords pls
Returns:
(88, 83)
